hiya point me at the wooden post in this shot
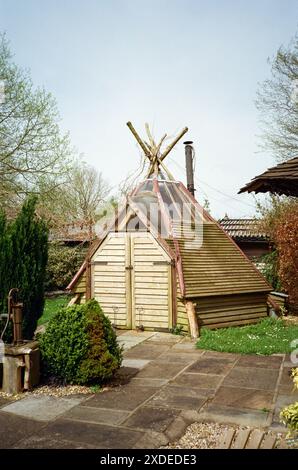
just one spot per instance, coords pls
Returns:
(139, 140)
(88, 279)
(192, 319)
(169, 148)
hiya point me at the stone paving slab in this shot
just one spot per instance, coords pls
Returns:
(99, 436)
(130, 339)
(177, 397)
(148, 382)
(41, 408)
(158, 370)
(244, 397)
(152, 440)
(185, 347)
(144, 335)
(180, 357)
(198, 380)
(192, 391)
(125, 398)
(225, 414)
(96, 415)
(227, 357)
(147, 351)
(249, 377)
(135, 363)
(14, 428)
(211, 365)
(265, 362)
(164, 338)
(151, 418)
(49, 442)
(164, 385)
(128, 344)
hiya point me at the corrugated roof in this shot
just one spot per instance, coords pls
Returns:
(243, 229)
(280, 179)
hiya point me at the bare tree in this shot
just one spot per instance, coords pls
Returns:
(31, 143)
(79, 202)
(277, 101)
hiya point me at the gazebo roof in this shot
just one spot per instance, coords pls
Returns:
(281, 179)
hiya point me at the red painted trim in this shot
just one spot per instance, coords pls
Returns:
(208, 216)
(171, 233)
(162, 207)
(179, 267)
(77, 276)
(174, 295)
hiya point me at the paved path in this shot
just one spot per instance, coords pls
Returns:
(165, 385)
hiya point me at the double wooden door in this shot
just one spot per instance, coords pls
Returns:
(131, 279)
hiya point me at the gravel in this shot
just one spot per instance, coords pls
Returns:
(208, 436)
(53, 388)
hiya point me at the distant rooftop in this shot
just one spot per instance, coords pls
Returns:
(243, 229)
(70, 233)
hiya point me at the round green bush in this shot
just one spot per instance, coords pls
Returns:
(80, 346)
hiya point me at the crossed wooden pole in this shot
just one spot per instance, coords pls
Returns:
(152, 150)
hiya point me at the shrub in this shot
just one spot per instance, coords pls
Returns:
(289, 414)
(80, 345)
(269, 268)
(63, 263)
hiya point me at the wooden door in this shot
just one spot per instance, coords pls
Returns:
(109, 279)
(151, 283)
(131, 279)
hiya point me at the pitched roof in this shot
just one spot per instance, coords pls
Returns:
(208, 261)
(243, 229)
(280, 179)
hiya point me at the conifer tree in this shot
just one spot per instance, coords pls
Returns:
(23, 259)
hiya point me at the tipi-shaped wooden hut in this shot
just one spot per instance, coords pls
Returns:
(164, 261)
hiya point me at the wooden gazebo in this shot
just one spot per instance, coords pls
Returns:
(281, 179)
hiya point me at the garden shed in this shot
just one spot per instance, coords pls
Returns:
(162, 252)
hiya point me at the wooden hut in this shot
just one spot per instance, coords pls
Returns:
(165, 262)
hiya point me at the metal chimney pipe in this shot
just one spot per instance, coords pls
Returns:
(189, 153)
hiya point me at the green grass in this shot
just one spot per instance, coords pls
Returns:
(267, 337)
(51, 306)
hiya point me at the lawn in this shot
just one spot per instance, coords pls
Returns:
(267, 337)
(52, 304)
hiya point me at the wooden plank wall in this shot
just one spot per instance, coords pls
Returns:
(108, 280)
(232, 310)
(151, 302)
(80, 287)
(181, 311)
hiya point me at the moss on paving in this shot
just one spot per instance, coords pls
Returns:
(269, 336)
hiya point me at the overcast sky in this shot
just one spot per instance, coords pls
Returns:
(171, 63)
